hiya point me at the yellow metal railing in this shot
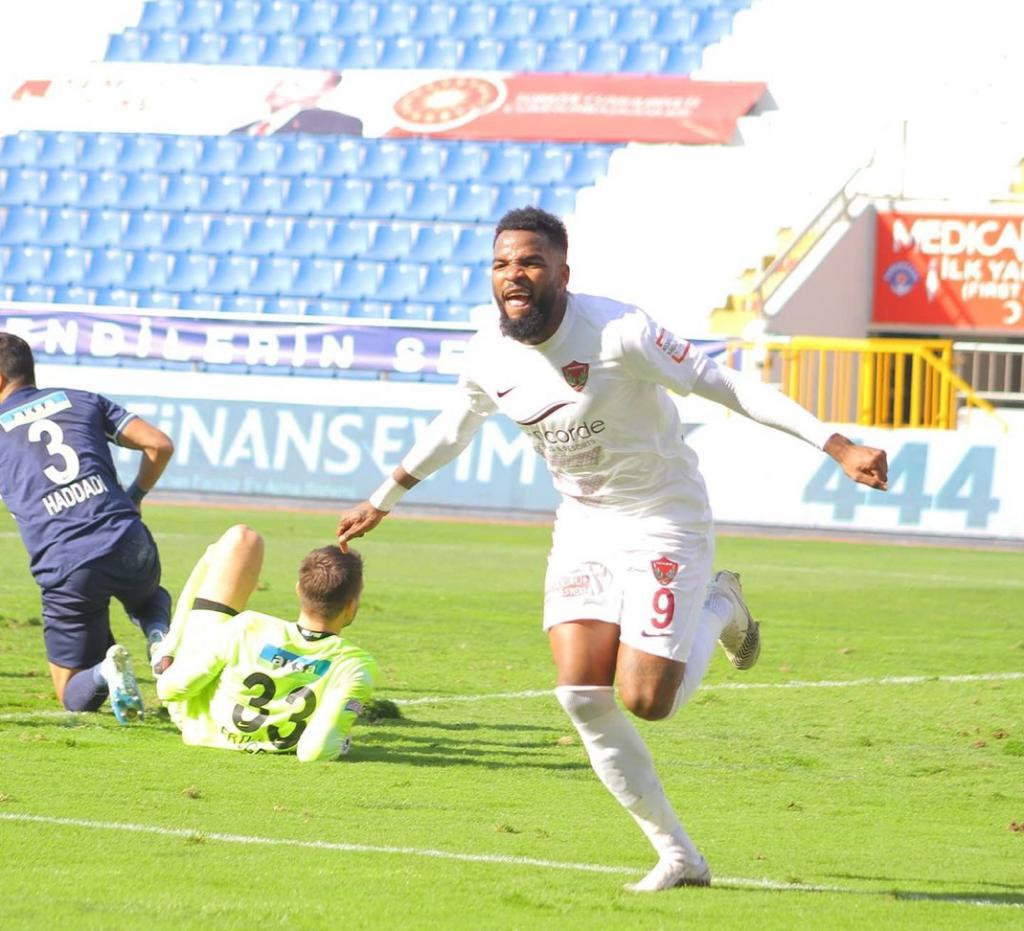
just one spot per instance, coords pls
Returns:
(870, 382)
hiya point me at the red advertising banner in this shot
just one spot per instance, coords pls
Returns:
(942, 272)
(576, 107)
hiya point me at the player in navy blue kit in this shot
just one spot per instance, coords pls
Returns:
(83, 532)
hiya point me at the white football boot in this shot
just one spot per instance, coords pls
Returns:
(741, 638)
(671, 873)
(125, 698)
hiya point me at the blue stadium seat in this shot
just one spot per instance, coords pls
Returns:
(411, 310)
(431, 20)
(241, 48)
(189, 272)
(715, 24)
(137, 153)
(304, 196)
(324, 308)
(429, 200)
(106, 268)
(199, 300)
(201, 48)
(231, 273)
(382, 159)
(633, 23)
(179, 153)
(241, 304)
(159, 14)
(505, 163)
(157, 300)
(62, 227)
(601, 56)
(451, 313)
(511, 21)
(294, 306)
(98, 151)
(148, 270)
(196, 15)
(19, 149)
(237, 16)
(340, 157)
(114, 297)
(387, 199)
(25, 224)
(102, 228)
(322, 51)
(274, 16)
(552, 22)
(586, 165)
(182, 191)
(273, 275)
(72, 294)
(471, 21)
(593, 22)
(224, 234)
(357, 281)
(398, 52)
(558, 199)
(263, 195)
(368, 310)
(282, 51)
(547, 164)
(315, 18)
(144, 230)
(674, 24)
(165, 46)
(561, 55)
(21, 186)
(682, 58)
(390, 243)
(472, 203)
(441, 53)
(515, 196)
(478, 288)
(442, 283)
(432, 244)
(348, 239)
(394, 18)
(221, 193)
(400, 281)
(315, 277)
(124, 46)
(422, 161)
(65, 266)
(184, 233)
(358, 52)
(643, 57)
(266, 235)
(32, 293)
(347, 197)
(58, 150)
(474, 244)
(307, 237)
(297, 155)
(480, 54)
(523, 54)
(258, 156)
(218, 154)
(103, 188)
(465, 162)
(63, 187)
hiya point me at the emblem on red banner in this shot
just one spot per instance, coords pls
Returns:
(664, 570)
(576, 374)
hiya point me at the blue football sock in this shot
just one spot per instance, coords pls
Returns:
(86, 690)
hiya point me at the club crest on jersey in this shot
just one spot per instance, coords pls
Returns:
(664, 570)
(576, 374)
(673, 347)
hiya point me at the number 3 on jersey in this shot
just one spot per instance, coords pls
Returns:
(268, 688)
(55, 446)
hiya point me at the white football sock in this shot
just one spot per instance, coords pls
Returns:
(714, 616)
(623, 763)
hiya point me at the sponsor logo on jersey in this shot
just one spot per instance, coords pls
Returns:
(571, 435)
(39, 409)
(664, 570)
(901, 278)
(675, 348)
(280, 658)
(75, 493)
(576, 374)
(574, 586)
(502, 394)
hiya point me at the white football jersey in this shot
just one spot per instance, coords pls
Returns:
(592, 401)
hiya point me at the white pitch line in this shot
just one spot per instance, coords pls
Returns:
(769, 885)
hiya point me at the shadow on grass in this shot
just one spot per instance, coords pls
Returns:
(1013, 896)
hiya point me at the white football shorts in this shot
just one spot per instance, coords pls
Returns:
(651, 583)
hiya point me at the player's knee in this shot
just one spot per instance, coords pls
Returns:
(241, 540)
(651, 704)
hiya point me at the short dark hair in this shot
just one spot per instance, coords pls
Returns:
(16, 362)
(329, 581)
(535, 220)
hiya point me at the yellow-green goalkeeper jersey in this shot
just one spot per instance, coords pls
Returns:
(255, 682)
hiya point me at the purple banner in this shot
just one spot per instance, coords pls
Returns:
(295, 345)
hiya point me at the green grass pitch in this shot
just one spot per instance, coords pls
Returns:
(867, 773)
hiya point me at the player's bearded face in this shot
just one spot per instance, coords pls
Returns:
(528, 277)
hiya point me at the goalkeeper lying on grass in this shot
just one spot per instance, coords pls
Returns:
(243, 680)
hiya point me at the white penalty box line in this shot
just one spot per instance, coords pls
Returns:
(768, 885)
